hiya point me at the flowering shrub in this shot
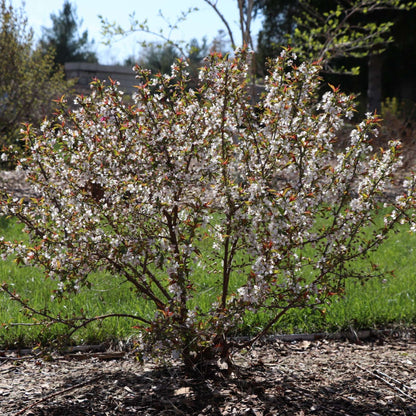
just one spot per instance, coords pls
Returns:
(183, 181)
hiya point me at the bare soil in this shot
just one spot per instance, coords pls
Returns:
(375, 377)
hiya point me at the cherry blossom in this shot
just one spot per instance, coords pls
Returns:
(177, 183)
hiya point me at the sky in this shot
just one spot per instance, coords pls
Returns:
(204, 22)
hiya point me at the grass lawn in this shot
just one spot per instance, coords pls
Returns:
(379, 303)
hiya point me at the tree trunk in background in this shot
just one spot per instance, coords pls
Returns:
(375, 63)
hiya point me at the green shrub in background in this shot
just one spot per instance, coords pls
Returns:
(29, 79)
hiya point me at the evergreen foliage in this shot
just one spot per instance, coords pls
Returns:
(63, 37)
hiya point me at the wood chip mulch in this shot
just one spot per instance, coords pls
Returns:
(324, 377)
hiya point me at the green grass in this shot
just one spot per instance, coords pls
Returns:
(106, 295)
(379, 303)
(389, 300)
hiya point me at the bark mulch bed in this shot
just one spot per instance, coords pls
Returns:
(324, 377)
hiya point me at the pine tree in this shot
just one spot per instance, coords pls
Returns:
(63, 37)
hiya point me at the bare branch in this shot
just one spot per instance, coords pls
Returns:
(224, 20)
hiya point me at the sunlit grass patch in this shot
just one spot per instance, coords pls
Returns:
(390, 300)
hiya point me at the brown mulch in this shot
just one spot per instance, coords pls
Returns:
(299, 378)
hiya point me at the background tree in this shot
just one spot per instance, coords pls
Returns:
(245, 10)
(399, 60)
(63, 37)
(197, 52)
(28, 80)
(112, 30)
(157, 57)
(278, 23)
(220, 43)
(341, 35)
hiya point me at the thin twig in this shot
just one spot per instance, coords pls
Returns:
(223, 19)
(57, 393)
(397, 382)
(7, 370)
(98, 355)
(384, 380)
(4, 360)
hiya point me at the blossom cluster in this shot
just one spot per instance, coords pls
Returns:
(177, 182)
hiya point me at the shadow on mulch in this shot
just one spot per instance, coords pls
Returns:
(255, 391)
